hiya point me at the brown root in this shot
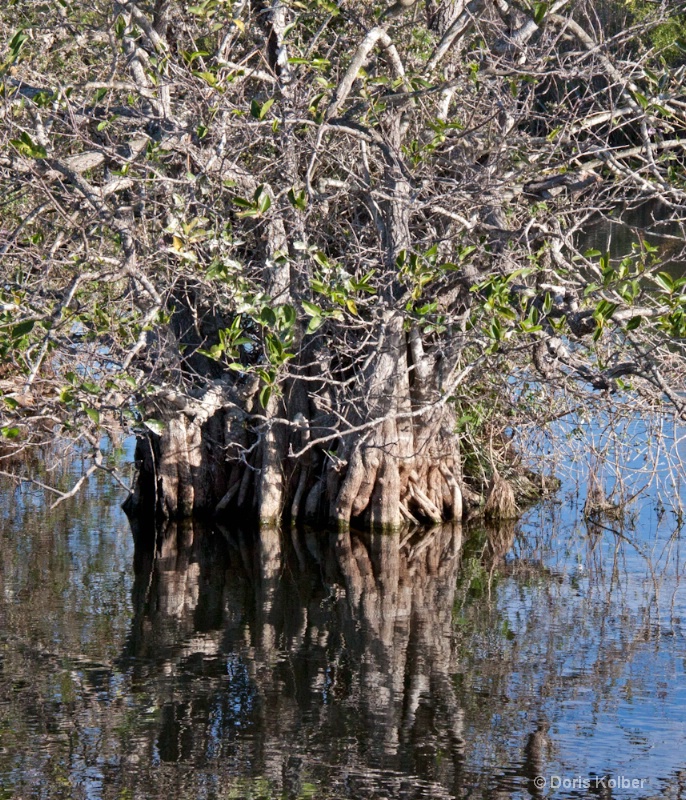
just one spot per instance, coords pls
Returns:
(500, 502)
(223, 454)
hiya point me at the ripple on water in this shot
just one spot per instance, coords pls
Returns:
(358, 668)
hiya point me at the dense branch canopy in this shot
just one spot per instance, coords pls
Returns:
(336, 225)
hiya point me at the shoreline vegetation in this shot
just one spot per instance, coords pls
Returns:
(323, 259)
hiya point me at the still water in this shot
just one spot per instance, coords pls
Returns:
(205, 663)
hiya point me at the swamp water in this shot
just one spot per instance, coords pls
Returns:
(207, 664)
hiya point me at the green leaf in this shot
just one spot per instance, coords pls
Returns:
(330, 6)
(363, 284)
(604, 310)
(465, 251)
(215, 352)
(27, 147)
(93, 414)
(16, 43)
(496, 330)
(260, 110)
(311, 308)
(321, 259)
(662, 110)
(10, 432)
(208, 77)
(119, 27)
(297, 199)
(155, 425)
(314, 323)
(268, 317)
(641, 99)
(189, 57)
(633, 323)
(265, 394)
(22, 328)
(664, 281)
(265, 107)
(66, 394)
(540, 10)
(263, 200)
(652, 77)
(11, 403)
(289, 315)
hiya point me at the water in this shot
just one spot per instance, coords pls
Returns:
(207, 664)
(647, 222)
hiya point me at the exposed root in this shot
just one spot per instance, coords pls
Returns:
(428, 508)
(500, 502)
(224, 454)
(304, 472)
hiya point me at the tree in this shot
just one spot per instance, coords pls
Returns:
(291, 243)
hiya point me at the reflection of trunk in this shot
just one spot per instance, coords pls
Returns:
(402, 599)
(309, 633)
(171, 595)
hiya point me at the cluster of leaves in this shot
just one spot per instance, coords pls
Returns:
(667, 34)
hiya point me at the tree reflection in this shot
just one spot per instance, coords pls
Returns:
(344, 636)
(315, 664)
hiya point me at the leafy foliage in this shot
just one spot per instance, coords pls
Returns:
(206, 192)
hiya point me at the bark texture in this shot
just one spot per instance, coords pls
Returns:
(396, 458)
(360, 433)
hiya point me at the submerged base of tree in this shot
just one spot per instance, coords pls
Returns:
(223, 456)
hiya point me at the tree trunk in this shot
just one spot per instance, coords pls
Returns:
(382, 455)
(396, 461)
(442, 13)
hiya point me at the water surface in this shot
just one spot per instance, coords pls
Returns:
(200, 663)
